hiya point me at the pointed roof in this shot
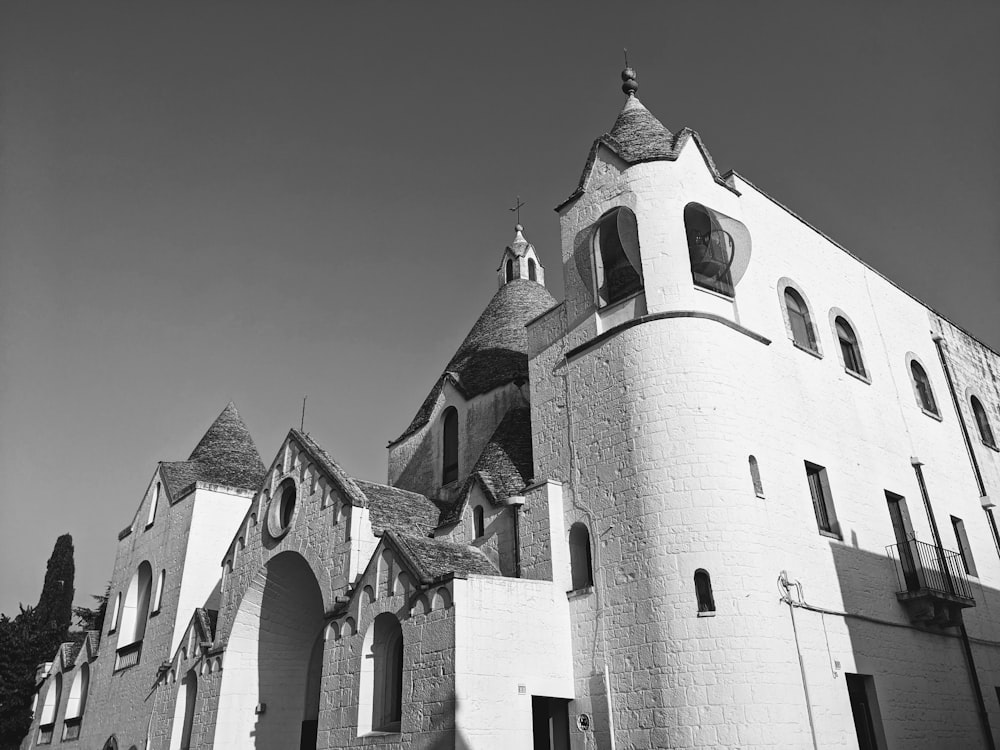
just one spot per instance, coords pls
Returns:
(503, 469)
(226, 454)
(637, 137)
(433, 559)
(495, 352)
(520, 246)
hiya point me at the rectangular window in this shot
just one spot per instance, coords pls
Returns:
(963, 546)
(819, 489)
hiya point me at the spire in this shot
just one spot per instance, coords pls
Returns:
(639, 134)
(519, 260)
(629, 83)
(227, 448)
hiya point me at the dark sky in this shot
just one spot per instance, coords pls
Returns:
(210, 201)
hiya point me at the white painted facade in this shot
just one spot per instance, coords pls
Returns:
(644, 416)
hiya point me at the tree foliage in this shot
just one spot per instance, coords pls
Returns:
(32, 638)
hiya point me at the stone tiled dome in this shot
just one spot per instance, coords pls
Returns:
(495, 351)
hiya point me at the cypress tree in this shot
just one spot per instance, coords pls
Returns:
(32, 638)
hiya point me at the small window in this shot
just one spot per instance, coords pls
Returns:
(983, 422)
(711, 249)
(478, 521)
(964, 550)
(849, 347)
(581, 568)
(799, 320)
(152, 505)
(509, 270)
(703, 590)
(758, 487)
(922, 384)
(51, 704)
(449, 445)
(532, 270)
(617, 264)
(135, 611)
(282, 510)
(819, 489)
(115, 612)
(158, 597)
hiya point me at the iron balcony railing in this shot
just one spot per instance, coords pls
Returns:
(926, 568)
(128, 656)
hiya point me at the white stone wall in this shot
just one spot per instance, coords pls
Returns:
(510, 644)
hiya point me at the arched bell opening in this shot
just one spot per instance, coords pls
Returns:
(269, 695)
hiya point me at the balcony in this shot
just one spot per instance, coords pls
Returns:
(128, 656)
(933, 585)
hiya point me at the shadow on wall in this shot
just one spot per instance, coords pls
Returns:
(911, 685)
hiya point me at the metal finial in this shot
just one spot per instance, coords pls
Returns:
(629, 83)
(302, 424)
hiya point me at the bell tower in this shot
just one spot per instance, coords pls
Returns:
(519, 261)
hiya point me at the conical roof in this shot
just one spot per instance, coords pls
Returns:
(640, 135)
(495, 351)
(226, 454)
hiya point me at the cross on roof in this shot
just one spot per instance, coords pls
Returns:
(517, 208)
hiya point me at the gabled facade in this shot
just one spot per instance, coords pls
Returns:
(735, 490)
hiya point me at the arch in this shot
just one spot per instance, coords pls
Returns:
(758, 486)
(153, 502)
(270, 664)
(184, 711)
(403, 583)
(532, 270)
(441, 600)
(922, 386)
(135, 610)
(384, 573)
(581, 567)
(711, 250)
(380, 701)
(508, 273)
(449, 445)
(367, 595)
(798, 319)
(158, 597)
(111, 743)
(51, 704)
(76, 704)
(982, 422)
(617, 260)
(313, 692)
(421, 606)
(478, 521)
(281, 511)
(350, 627)
(850, 347)
(703, 590)
(115, 613)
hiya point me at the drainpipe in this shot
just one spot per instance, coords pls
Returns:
(939, 343)
(516, 501)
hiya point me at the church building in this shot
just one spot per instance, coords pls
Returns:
(733, 491)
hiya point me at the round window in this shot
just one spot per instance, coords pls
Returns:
(279, 516)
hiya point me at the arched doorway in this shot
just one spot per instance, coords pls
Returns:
(268, 671)
(184, 710)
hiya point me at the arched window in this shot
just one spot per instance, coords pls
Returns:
(758, 487)
(158, 597)
(799, 320)
(76, 704)
(849, 347)
(509, 270)
(532, 270)
(581, 569)
(617, 263)
(111, 743)
(449, 445)
(983, 422)
(703, 590)
(922, 385)
(381, 701)
(51, 704)
(115, 613)
(478, 521)
(154, 500)
(711, 249)
(136, 608)
(282, 509)
(184, 710)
